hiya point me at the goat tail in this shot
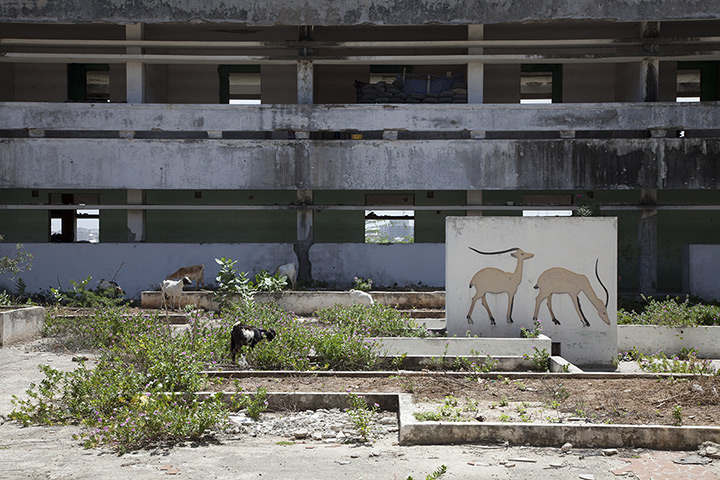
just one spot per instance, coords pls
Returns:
(607, 294)
(494, 253)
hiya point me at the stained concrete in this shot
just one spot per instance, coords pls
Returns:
(19, 324)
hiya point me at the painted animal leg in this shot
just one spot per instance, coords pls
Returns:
(576, 301)
(484, 303)
(472, 307)
(511, 302)
(538, 301)
(552, 314)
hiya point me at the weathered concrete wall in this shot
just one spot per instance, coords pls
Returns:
(465, 346)
(328, 12)
(360, 165)
(573, 244)
(354, 117)
(650, 339)
(20, 324)
(701, 264)
(142, 266)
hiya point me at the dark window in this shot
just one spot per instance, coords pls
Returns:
(88, 82)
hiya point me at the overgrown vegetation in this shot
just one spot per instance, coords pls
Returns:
(670, 312)
(82, 295)
(10, 267)
(685, 362)
(372, 321)
(361, 415)
(364, 284)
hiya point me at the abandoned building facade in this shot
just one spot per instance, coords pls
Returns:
(136, 138)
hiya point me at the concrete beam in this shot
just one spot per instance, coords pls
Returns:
(313, 118)
(366, 165)
(330, 12)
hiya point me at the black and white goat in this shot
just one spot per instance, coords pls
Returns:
(242, 335)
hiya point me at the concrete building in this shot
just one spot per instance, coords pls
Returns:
(183, 131)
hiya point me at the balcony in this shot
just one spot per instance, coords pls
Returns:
(360, 147)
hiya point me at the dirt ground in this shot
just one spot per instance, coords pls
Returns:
(51, 452)
(618, 401)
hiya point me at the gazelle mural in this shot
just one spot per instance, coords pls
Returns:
(559, 280)
(494, 280)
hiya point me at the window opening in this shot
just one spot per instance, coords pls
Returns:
(547, 213)
(240, 84)
(540, 84)
(389, 226)
(79, 225)
(88, 82)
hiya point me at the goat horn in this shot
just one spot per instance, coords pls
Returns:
(494, 253)
(607, 294)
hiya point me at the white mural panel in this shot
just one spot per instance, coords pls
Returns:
(502, 273)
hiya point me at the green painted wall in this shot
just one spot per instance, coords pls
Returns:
(214, 226)
(339, 226)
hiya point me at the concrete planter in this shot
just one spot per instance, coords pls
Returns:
(649, 339)
(307, 302)
(20, 324)
(464, 346)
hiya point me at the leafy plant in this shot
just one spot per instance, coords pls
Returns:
(373, 321)
(363, 284)
(20, 262)
(441, 470)
(82, 296)
(677, 414)
(670, 312)
(361, 415)
(254, 405)
(686, 362)
(539, 357)
(230, 284)
(266, 282)
(534, 333)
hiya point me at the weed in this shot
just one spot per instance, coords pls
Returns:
(231, 285)
(534, 333)
(372, 321)
(539, 357)
(253, 405)
(361, 415)
(504, 402)
(677, 415)
(671, 312)
(441, 470)
(82, 296)
(504, 418)
(266, 282)
(363, 284)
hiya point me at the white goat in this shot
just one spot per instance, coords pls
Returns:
(559, 280)
(289, 271)
(363, 298)
(193, 272)
(173, 289)
(494, 280)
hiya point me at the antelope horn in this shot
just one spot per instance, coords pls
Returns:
(494, 253)
(607, 294)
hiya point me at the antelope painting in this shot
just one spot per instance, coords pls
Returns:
(494, 280)
(559, 280)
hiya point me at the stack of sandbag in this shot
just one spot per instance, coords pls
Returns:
(399, 92)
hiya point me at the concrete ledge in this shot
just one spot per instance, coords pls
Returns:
(306, 303)
(649, 339)
(439, 346)
(657, 437)
(557, 364)
(20, 323)
(413, 432)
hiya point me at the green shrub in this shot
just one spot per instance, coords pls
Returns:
(265, 282)
(82, 296)
(671, 312)
(372, 321)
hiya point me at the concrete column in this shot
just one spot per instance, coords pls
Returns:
(305, 235)
(474, 197)
(135, 71)
(650, 68)
(476, 88)
(475, 70)
(136, 218)
(304, 82)
(647, 240)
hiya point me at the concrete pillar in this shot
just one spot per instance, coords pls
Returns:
(474, 197)
(475, 70)
(136, 218)
(304, 82)
(305, 235)
(647, 240)
(650, 68)
(476, 88)
(135, 71)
